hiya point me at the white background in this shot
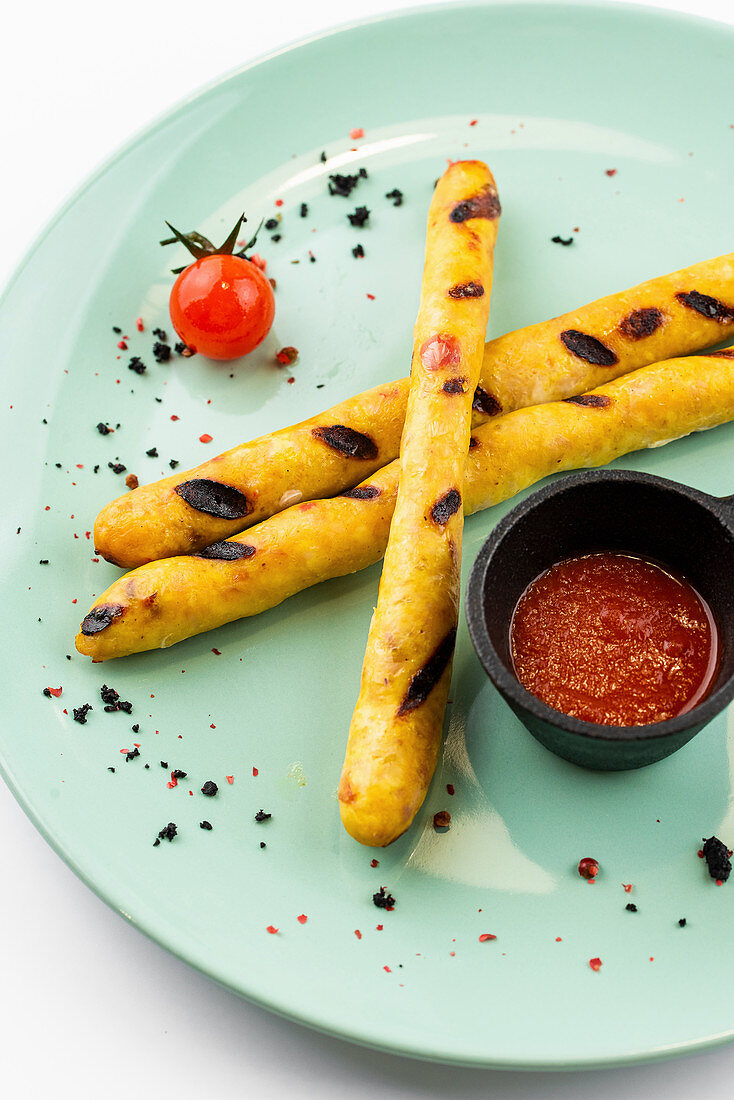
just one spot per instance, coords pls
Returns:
(89, 1008)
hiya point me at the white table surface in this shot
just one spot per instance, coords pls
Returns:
(89, 1007)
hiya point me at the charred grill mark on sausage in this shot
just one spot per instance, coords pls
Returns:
(588, 348)
(99, 618)
(590, 400)
(426, 678)
(485, 402)
(641, 323)
(226, 551)
(347, 441)
(706, 306)
(214, 498)
(484, 205)
(445, 507)
(467, 290)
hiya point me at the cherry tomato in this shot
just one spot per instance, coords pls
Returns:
(222, 306)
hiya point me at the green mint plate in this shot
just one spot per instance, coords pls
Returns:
(607, 124)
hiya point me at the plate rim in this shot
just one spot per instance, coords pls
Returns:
(351, 1033)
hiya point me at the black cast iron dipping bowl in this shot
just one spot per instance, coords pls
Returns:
(617, 510)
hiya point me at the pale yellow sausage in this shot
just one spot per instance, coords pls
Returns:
(671, 315)
(175, 598)
(395, 732)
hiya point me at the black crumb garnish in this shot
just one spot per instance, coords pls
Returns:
(159, 400)
(160, 333)
(396, 195)
(262, 816)
(110, 769)
(342, 184)
(358, 251)
(132, 754)
(136, 728)
(210, 788)
(103, 429)
(206, 825)
(168, 832)
(323, 158)
(304, 209)
(108, 694)
(58, 467)
(184, 349)
(173, 463)
(80, 713)
(147, 765)
(178, 774)
(360, 217)
(112, 700)
(117, 467)
(47, 692)
(363, 173)
(137, 365)
(43, 561)
(276, 237)
(152, 453)
(271, 223)
(383, 900)
(682, 922)
(562, 240)
(117, 330)
(96, 469)
(262, 844)
(164, 764)
(717, 855)
(161, 352)
(631, 907)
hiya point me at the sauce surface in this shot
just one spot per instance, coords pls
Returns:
(613, 639)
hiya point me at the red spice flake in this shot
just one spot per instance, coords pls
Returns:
(174, 417)
(255, 771)
(627, 886)
(652, 958)
(358, 934)
(371, 297)
(558, 939)
(719, 882)
(217, 652)
(230, 779)
(595, 964)
(449, 788)
(356, 133)
(380, 927)
(387, 968)
(486, 936)
(205, 438)
(373, 862)
(212, 726)
(452, 953)
(291, 380)
(474, 121)
(139, 324)
(74, 600)
(611, 172)
(47, 508)
(278, 202)
(302, 919)
(588, 868)
(122, 345)
(271, 929)
(53, 691)
(287, 355)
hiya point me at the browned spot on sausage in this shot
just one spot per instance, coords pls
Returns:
(473, 442)
(454, 385)
(226, 551)
(725, 353)
(426, 678)
(706, 306)
(99, 618)
(590, 400)
(485, 402)
(347, 792)
(588, 348)
(148, 601)
(362, 492)
(440, 351)
(467, 290)
(641, 323)
(446, 506)
(484, 205)
(214, 498)
(346, 441)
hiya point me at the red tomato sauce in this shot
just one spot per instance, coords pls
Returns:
(613, 639)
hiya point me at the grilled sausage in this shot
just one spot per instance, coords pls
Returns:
(671, 315)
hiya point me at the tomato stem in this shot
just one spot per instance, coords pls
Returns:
(199, 245)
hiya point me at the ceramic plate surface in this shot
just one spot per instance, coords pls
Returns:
(613, 126)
